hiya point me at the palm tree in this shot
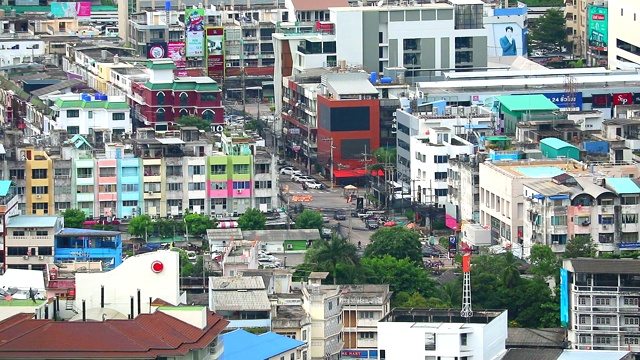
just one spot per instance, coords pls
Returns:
(451, 293)
(510, 275)
(329, 254)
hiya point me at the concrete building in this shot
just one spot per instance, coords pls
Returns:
(29, 241)
(623, 44)
(575, 14)
(323, 304)
(601, 306)
(85, 245)
(84, 114)
(363, 306)
(414, 334)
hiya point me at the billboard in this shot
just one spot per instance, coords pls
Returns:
(157, 50)
(73, 10)
(597, 28)
(563, 101)
(601, 101)
(215, 52)
(564, 298)
(506, 39)
(194, 31)
(623, 99)
(176, 51)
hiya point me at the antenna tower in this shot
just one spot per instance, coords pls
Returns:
(570, 92)
(466, 311)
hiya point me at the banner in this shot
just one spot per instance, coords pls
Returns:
(597, 29)
(73, 10)
(194, 31)
(623, 99)
(506, 39)
(215, 52)
(563, 101)
(564, 298)
(157, 50)
(177, 52)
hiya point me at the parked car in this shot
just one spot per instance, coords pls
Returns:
(289, 170)
(372, 224)
(326, 219)
(314, 184)
(340, 215)
(303, 178)
(325, 233)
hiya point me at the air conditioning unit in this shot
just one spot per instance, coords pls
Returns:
(228, 64)
(26, 257)
(38, 196)
(150, 192)
(289, 246)
(394, 114)
(239, 191)
(41, 257)
(605, 227)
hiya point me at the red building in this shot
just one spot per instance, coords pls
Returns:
(164, 98)
(348, 113)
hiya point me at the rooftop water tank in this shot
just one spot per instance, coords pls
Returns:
(386, 80)
(373, 77)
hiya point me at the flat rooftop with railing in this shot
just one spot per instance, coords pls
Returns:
(440, 316)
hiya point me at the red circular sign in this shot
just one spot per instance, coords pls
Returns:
(157, 266)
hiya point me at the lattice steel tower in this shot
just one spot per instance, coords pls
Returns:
(466, 311)
(570, 92)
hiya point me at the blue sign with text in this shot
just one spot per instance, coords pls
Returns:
(563, 100)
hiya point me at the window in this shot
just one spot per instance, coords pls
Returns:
(73, 130)
(629, 219)
(42, 233)
(90, 114)
(18, 233)
(605, 219)
(196, 170)
(151, 187)
(73, 113)
(18, 250)
(603, 321)
(160, 115)
(218, 169)
(130, 203)
(174, 170)
(197, 186)
(603, 340)
(366, 335)
(440, 159)
(39, 173)
(559, 239)
(208, 115)
(411, 44)
(365, 314)
(39, 190)
(631, 340)
(440, 176)
(441, 192)
(304, 355)
(602, 301)
(208, 97)
(292, 356)
(17, 173)
(558, 220)
(107, 172)
(463, 339)
(184, 99)
(263, 184)
(631, 301)
(45, 250)
(85, 189)
(84, 173)
(117, 116)
(304, 335)
(429, 341)
(583, 319)
(263, 168)
(582, 300)
(111, 188)
(62, 172)
(174, 186)
(631, 321)
(62, 206)
(129, 171)
(242, 185)
(218, 185)
(130, 187)
(184, 112)
(40, 206)
(160, 98)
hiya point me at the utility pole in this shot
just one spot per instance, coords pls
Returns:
(243, 84)
(330, 140)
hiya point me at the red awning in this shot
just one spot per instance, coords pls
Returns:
(355, 173)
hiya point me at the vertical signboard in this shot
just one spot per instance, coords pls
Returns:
(177, 52)
(564, 298)
(597, 27)
(194, 32)
(215, 52)
(453, 246)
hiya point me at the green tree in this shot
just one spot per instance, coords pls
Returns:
(74, 218)
(416, 300)
(402, 275)
(186, 267)
(450, 293)
(396, 241)
(199, 224)
(191, 120)
(548, 31)
(309, 219)
(165, 228)
(252, 219)
(543, 261)
(328, 255)
(383, 155)
(510, 275)
(579, 246)
(140, 226)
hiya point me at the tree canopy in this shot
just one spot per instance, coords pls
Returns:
(74, 218)
(252, 219)
(199, 224)
(328, 255)
(579, 246)
(400, 274)
(309, 219)
(397, 241)
(548, 32)
(140, 226)
(543, 261)
(192, 120)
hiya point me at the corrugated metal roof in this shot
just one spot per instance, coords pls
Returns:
(543, 338)
(232, 283)
(34, 221)
(281, 235)
(5, 185)
(72, 232)
(55, 87)
(350, 84)
(622, 185)
(556, 143)
(242, 345)
(592, 355)
(239, 300)
(605, 266)
(536, 102)
(590, 188)
(532, 354)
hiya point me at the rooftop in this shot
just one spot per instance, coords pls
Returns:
(241, 345)
(537, 102)
(350, 84)
(310, 5)
(241, 300)
(58, 86)
(231, 283)
(544, 168)
(603, 266)
(365, 294)
(5, 186)
(439, 316)
(197, 83)
(622, 186)
(628, 121)
(549, 188)
(290, 312)
(146, 336)
(72, 232)
(72, 104)
(555, 143)
(35, 221)
(536, 338)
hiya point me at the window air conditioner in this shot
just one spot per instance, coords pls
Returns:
(38, 196)
(289, 246)
(26, 257)
(239, 191)
(41, 257)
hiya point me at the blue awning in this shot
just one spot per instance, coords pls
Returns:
(558, 197)
(538, 196)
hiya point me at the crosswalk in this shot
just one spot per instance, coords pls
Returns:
(307, 192)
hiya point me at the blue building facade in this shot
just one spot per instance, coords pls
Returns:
(88, 245)
(129, 187)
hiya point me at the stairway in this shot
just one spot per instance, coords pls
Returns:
(69, 305)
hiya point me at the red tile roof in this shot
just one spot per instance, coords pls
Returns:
(148, 336)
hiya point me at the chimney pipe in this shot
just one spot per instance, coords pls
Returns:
(84, 311)
(46, 312)
(55, 308)
(139, 303)
(102, 296)
(131, 312)
(150, 301)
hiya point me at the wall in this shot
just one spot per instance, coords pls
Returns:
(119, 285)
(622, 15)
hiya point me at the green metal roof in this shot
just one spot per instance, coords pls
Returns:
(556, 143)
(78, 141)
(81, 104)
(5, 185)
(183, 85)
(156, 65)
(536, 102)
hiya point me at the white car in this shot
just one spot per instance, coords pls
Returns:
(297, 175)
(304, 178)
(314, 184)
(289, 170)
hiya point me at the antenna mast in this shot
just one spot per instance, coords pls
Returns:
(466, 311)
(570, 92)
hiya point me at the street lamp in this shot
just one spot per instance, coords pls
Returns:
(330, 159)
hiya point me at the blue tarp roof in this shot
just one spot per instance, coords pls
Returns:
(243, 345)
(622, 185)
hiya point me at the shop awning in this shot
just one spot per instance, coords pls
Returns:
(355, 173)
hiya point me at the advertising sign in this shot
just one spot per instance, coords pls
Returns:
(359, 354)
(636, 98)
(178, 53)
(215, 52)
(597, 28)
(453, 246)
(563, 101)
(194, 31)
(73, 10)
(157, 50)
(506, 39)
(564, 298)
(623, 99)
(600, 101)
